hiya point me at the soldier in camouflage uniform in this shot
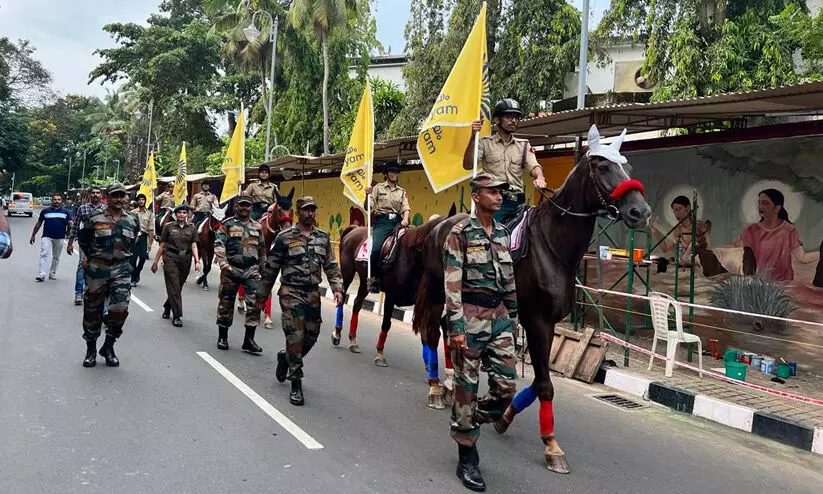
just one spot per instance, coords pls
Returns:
(301, 253)
(107, 239)
(239, 250)
(481, 306)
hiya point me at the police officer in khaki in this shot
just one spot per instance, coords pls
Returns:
(203, 202)
(166, 199)
(390, 207)
(506, 157)
(263, 193)
(178, 244)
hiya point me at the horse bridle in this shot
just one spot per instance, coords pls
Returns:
(608, 208)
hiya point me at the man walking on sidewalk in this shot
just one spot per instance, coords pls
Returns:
(56, 221)
(84, 211)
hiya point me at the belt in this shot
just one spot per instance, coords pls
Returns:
(486, 300)
(177, 251)
(261, 204)
(388, 216)
(516, 196)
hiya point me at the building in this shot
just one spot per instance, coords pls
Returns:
(386, 67)
(621, 74)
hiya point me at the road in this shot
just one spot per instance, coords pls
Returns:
(167, 421)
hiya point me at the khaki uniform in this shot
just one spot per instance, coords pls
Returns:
(237, 249)
(300, 260)
(481, 303)
(144, 241)
(262, 196)
(507, 162)
(203, 202)
(388, 203)
(177, 263)
(165, 200)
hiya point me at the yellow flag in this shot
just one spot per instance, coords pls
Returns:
(180, 186)
(464, 98)
(149, 182)
(234, 163)
(357, 167)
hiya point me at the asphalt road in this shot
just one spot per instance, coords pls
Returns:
(167, 421)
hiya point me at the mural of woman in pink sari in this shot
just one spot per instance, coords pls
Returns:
(774, 240)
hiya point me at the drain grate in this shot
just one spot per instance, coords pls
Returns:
(619, 402)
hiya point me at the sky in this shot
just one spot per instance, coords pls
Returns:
(66, 32)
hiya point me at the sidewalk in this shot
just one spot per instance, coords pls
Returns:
(779, 418)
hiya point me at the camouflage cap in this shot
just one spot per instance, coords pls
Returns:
(306, 201)
(116, 188)
(485, 181)
(244, 199)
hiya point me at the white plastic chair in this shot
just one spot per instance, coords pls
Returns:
(659, 303)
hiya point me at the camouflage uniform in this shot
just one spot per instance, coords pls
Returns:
(237, 248)
(108, 245)
(301, 260)
(481, 303)
(262, 196)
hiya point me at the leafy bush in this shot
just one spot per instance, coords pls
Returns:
(757, 295)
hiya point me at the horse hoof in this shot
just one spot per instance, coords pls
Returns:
(436, 402)
(268, 325)
(205, 288)
(354, 348)
(556, 463)
(380, 361)
(241, 309)
(335, 337)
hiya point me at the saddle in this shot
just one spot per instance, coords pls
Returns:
(388, 251)
(518, 225)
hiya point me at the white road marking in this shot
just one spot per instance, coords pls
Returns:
(264, 405)
(141, 304)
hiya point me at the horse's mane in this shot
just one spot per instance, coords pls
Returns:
(544, 206)
(415, 236)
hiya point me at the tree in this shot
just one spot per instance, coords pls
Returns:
(387, 101)
(323, 16)
(23, 79)
(705, 47)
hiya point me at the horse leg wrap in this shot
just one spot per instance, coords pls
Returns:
(381, 340)
(353, 326)
(338, 323)
(447, 353)
(524, 399)
(546, 418)
(431, 364)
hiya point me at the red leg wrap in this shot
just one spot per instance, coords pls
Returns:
(381, 340)
(546, 418)
(353, 326)
(447, 353)
(240, 292)
(268, 306)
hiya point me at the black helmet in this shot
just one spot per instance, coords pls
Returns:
(391, 166)
(507, 106)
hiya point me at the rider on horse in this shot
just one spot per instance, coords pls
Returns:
(165, 201)
(202, 203)
(505, 157)
(262, 193)
(390, 205)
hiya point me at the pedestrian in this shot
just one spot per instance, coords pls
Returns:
(84, 211)
(56, 221)
(202, 203)
(239, 250)
(165, 200)
(6, 246)
(481, 309)
(144, 241)
(390, 207)
(178, 244)
(506, 157)
(263, 193)
(108, 239)
(300, 254)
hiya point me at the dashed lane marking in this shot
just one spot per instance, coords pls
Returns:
(141, 304)
(264, 405)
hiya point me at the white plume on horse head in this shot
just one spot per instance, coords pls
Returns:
(218, 212)
(611, 151)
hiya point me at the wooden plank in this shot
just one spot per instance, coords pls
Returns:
(592, 359)
(579, 350)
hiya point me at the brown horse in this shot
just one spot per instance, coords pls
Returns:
(164, 217)
(399, 283)
(205, 247)
(557, 235)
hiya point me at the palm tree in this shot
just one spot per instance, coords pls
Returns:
(323, 16)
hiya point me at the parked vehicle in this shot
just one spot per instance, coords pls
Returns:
(21, 203)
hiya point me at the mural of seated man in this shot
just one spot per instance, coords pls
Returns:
(682, 236)
(772, 243)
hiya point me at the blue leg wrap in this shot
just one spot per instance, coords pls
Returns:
(339, 321)
(524, 399)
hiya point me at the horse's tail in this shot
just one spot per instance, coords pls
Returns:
(422, 307)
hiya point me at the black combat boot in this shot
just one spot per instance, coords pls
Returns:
(468, 470)
(296, 396)
(107, 352)
(282, 367)
(222, 338)
(248, 341)
(91, 354)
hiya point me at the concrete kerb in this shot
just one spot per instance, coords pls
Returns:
(729, 414)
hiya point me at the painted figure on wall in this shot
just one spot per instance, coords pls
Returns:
(679, 241)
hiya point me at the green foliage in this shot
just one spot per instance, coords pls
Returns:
(23, 79)
(387, 99)
(707, 47)
(757, 295)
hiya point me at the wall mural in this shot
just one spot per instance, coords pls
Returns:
(756, 251)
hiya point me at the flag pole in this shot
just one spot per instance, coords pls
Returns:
(368, 198)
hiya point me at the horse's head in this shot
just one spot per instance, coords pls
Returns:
(614, 189)
(285, 215)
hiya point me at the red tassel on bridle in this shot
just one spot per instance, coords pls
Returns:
(626, 187)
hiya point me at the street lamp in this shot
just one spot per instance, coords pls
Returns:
(139, 115)
(252, 33)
